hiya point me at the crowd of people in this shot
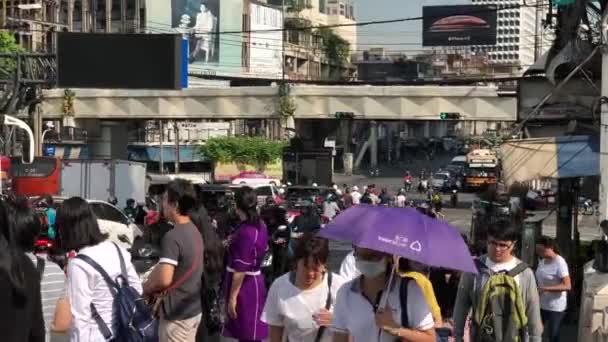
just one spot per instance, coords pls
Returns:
(203, 285)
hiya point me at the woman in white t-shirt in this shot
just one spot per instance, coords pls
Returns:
(553, 285)
(296, 305)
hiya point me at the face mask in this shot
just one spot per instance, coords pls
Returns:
(371, 269)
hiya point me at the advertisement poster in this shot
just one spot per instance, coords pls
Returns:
(459, 25)
(266, 40)
(199, 21)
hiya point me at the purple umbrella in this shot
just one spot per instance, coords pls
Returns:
(403, 232)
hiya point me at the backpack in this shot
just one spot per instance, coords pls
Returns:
(501, 314)
(134, 320)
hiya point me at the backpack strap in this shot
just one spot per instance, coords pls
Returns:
(328, 302)
(40, 267)
(517, 269)
(405, 321)
(123, 266)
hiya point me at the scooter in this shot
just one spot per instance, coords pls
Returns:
(454, 198)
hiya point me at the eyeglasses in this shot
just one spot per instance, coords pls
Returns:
(500, 245)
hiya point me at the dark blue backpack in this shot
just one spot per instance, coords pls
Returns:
(134, 322)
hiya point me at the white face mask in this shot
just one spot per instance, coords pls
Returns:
(371, 269)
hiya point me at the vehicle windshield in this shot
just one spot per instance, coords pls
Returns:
(482, 172)
(440, 176)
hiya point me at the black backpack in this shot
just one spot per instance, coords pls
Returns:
(135, 322)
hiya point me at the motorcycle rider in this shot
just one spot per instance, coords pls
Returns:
(309, 221)
(330, 207)
(454, 198)
(275, 217)
(130, 210)
(407, 181)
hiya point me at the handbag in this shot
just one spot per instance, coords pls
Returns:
(157, 301)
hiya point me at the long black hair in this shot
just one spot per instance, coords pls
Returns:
(77, 225)
(214, 250)
(247, 201)
(25, 226)
(11, 256)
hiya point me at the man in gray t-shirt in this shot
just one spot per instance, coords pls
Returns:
(180, 268)
(179, 248)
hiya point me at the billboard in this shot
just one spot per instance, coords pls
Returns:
(199, 22)
(265, 46)
(459, 25)
(90, 60)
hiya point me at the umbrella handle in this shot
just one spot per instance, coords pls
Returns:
(385, 293)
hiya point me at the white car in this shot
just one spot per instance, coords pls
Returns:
(115, 223)
(112, 221)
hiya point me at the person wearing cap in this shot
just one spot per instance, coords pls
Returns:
(356, 195)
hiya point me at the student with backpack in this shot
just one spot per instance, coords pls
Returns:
(503, 296)
(104, 290)
(361, 315)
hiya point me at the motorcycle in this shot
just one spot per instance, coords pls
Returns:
(423, 186)
(588, 207)
(374, 172)
(454, 198)
(407, 184)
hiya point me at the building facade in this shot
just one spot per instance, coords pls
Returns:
(521, 38)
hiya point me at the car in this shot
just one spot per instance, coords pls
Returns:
(112, 221)
(253, 178)
(442, 181)
(262, 191)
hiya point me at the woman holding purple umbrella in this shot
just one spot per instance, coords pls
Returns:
(244, 282)
(377, 319)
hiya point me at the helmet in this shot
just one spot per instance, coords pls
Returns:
(113, 200)
(314, 184)
(355, 188)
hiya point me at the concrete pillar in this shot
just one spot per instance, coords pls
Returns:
(84, 13)
(137, 18)
(348, 163)
(108, 16)
(427, 129)
(373, 138)
(565, 203)
(71, 15)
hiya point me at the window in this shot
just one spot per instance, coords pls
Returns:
(263, 191)
(322, 6)
(106, 212)
(334, 11)
(516, 56)
(245, 54)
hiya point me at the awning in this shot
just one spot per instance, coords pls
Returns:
(187, 153)
(555, 157)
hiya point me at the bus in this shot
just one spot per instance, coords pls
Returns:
(481, 170)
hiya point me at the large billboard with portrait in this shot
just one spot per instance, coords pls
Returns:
(459, 25)
(199, 21)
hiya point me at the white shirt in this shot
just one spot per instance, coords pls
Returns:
(355, 316)
(550, 273)
(356, 195)
(289, 307)
(330, 209)
(401, 199)
(348, 269)
(86, 285)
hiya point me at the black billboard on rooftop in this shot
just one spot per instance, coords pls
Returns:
(459, 25)
(133, 61)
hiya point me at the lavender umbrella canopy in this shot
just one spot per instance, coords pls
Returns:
(404, 232)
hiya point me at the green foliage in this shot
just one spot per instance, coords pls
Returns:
(8, 44)
(336, 48)
(243, 150)
(286, 106)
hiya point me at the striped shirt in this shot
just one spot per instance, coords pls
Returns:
(52, 287)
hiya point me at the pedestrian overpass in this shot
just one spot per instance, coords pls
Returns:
(473, 103)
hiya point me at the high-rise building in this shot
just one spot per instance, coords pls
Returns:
(521, 38)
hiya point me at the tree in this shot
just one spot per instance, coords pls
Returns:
(8, 44)
(243, 150)
(336, 48)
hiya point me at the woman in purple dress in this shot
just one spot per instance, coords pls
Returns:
(244, 282)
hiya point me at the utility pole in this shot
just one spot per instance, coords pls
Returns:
(284, 40)
(161, 158)
(604, 122)
(176, 127)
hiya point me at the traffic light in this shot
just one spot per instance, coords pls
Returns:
(449, 116)
(345, 115)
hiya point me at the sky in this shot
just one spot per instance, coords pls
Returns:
(387, 35)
